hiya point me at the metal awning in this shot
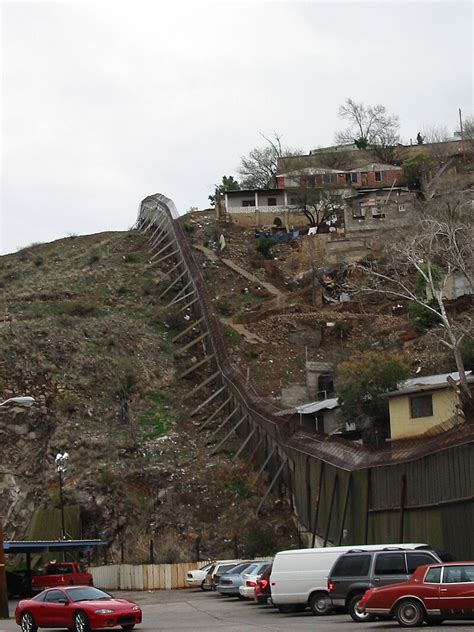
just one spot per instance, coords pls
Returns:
(50, 546)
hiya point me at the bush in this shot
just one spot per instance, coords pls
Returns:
(67, 402)
(38, 261)
(421, 316)
(277, 222)
(264, 247)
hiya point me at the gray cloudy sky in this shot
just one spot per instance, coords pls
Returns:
(104, 104)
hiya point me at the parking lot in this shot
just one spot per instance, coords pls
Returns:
(192, 609)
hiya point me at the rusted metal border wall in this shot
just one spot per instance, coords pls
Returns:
(342, 492)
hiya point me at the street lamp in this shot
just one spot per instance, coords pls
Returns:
(4, 614)
(61, 462)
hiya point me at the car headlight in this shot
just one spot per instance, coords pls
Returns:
(136, 608)
(103, 611)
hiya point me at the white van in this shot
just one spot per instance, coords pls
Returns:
(299, 577)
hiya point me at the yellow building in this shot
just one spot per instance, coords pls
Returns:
(423, 404)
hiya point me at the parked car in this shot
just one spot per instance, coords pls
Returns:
(82, 608)
(229, 582)
(62, 574)
(198, 576)
(433, 593)
(249, 580)
(262, 589)
(357, 571)
(299, 576)
(217, 568)
(19, 583)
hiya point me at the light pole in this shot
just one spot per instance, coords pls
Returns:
(60, 462)
(4, 614)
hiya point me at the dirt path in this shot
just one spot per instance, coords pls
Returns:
(244, 273)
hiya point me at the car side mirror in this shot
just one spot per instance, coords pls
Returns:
(63, 601)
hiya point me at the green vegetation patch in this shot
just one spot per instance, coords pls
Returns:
(232, 337)
(156, 419)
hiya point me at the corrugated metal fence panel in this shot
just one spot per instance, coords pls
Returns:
(143, 576)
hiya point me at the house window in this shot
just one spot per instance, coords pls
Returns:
(327, 178)
(378, 176)
(354, 178)
(421, 406)
(377, 213)
(248, 202)
(272, 201)
(310, 181)
(358, 213)
(401, 208)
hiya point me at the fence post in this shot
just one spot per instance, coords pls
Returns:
(152, 552)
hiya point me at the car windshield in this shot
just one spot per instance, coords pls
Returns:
(86, 593)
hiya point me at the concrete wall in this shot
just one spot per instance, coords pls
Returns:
(379, 213)
(401, 423)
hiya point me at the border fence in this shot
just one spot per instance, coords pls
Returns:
(416, 490)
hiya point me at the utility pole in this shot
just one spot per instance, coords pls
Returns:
(3, 579)
(462, 136)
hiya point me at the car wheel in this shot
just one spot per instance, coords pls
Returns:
(27, 623)
(355, 613)
(410, 613)
(286, 608)
(128, 627)
(81, 622)
(204, 586)
(320, 603)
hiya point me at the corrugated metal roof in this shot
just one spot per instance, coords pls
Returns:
(427, 383)
(314, 407)
(375, 166)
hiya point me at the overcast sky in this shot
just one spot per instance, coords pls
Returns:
(104, 104)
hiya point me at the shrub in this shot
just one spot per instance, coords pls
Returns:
(264, 247)
(67, 402)
(277, 222)
(131, 257)
(421, 316)
(94, 258)
(38, 261)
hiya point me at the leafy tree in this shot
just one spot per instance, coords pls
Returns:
(258, 170)
(416, 170)
(360, 383)
(229, 183)
(370, 127)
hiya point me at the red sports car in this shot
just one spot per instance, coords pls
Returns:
(80, 608)
(433, 593)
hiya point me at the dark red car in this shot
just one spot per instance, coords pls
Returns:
(433, 593)
(80, 608)
(263, 588)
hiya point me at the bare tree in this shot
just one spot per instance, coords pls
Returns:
(435, 134)
(467, 129)
(369, 126)
(319, 206)
(418, 270)
(258, 170)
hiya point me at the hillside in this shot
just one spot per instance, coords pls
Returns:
(81, 331)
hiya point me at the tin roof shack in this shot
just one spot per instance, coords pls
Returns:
(379, 209)
(320, 416)
(424, 405)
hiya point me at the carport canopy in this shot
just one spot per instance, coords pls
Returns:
(50, 546)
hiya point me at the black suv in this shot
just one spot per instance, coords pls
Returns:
(356, 571)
